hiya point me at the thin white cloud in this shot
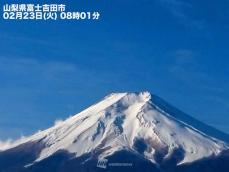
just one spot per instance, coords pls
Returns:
(58, 122)
(9, 143)
(187, 69)
(179, 8)
(5, 144)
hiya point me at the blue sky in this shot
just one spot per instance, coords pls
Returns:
(173, 48)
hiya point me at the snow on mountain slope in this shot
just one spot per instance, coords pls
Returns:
(117, 122)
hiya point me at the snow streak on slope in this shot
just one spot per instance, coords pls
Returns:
(118, 122)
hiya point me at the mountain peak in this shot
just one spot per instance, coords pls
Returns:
(132, 96)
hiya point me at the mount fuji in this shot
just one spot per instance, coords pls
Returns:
(122, 132)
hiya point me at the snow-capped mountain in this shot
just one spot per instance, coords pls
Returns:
(126, 126)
